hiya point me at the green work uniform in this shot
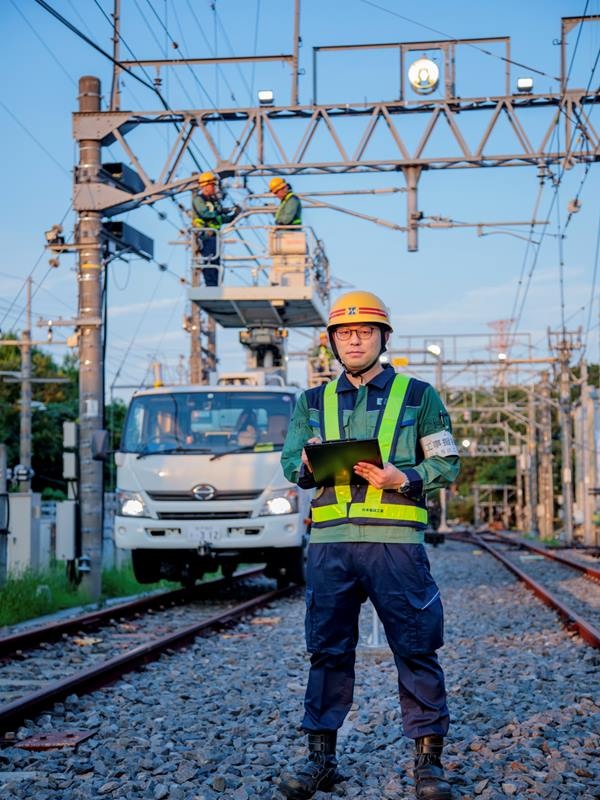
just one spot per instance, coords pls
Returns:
(289, 211)
(423, 415)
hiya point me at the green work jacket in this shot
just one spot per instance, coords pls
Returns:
(210, 212)
(289, 211)
(420, 421)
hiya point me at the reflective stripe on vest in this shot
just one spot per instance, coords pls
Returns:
(296, 220)
(335, 504)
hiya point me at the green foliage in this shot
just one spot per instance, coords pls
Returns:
(33, 594)
(61, 404)
(121, 582)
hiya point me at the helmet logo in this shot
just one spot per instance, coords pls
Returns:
(351, 310)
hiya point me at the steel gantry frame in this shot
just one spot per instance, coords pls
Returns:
(259, 150)
(249, 154)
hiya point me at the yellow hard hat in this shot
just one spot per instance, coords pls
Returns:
(356, 307)
(275, 184)
(206, 177)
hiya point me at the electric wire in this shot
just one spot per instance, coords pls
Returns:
(454, 38)
(593, 288)
(43, 43)
(34, 138)
(556, 184)
(24, 284)
(254, 51)
(114, 61)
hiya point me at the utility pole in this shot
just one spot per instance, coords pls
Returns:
(91, 368)
(295, 57)
(531, 483)
(564, 342)
(3, 533)
(203, 359)
(115, 92)
(546, 483)
(25, 433)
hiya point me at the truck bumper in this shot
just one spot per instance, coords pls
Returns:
(285, 530)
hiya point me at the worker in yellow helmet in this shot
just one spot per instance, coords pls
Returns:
(289, 211)
(366, 540)
(209, 217)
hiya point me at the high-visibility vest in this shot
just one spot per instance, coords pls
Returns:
(366, 505)
(297, 220)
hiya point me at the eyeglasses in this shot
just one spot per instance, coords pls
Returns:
(345, 334)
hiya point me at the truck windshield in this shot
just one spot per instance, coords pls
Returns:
(207, 422)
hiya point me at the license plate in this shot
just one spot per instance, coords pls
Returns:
(203, 535)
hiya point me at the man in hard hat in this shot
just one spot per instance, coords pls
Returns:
(289, 211)
(367, 541)
(210, 216)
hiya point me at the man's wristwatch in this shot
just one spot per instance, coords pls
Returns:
(403, 487)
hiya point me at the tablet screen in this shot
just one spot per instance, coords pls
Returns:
(332, 462)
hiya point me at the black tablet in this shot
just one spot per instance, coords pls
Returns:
(332, 463)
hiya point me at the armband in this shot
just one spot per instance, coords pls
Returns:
(438, 444)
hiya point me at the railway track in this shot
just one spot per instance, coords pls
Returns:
(568, 585)
(45, 665)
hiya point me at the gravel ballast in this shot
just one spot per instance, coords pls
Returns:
(220, 719)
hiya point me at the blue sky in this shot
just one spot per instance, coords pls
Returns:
(456, 283)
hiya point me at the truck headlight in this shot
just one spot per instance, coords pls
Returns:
(131, 504)
(280, 501)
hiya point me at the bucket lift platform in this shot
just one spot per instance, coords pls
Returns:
(289, 283)
(252, 306)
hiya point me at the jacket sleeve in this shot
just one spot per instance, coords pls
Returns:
(298, 434)
(288, 211)
(435, 471)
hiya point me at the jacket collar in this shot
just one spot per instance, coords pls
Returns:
(380, 381)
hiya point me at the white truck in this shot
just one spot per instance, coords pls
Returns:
(200, 485)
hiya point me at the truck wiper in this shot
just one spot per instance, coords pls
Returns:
(231, 452)
(171, 450)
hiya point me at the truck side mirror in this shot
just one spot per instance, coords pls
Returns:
(100, 445)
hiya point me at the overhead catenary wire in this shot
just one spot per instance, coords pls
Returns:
(556, 184)
(454, 38)
(64, 21)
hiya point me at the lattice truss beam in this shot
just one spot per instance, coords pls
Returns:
(496, 420)
(260, 140)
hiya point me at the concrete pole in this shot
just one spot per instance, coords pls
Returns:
(25, 433)
(531, 484)
(196, 319)
(91, 400)
(546, 517)
(566, 441)
(3, 536)
(587, 448)
(519, 499)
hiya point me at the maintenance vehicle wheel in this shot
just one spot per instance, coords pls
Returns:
(146, 566)
(228, 567)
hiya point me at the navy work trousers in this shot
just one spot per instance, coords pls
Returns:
(208, 242)
(397, 580)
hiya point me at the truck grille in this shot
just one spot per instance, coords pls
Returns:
(204, 514)
(178, 497)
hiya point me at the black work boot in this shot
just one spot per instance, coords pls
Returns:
(430, 782)
(318, 773)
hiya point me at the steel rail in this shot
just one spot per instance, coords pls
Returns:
(105, 672)
(32, 637)
(588, 632)
(592, 572)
